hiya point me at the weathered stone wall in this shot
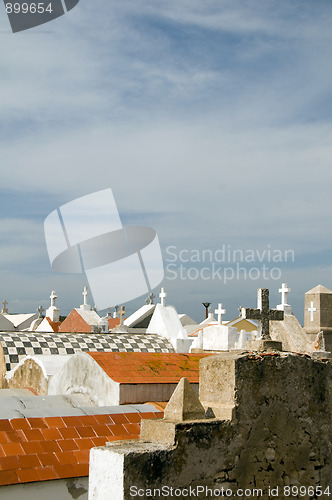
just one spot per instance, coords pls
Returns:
(278, 433)
(28, 374)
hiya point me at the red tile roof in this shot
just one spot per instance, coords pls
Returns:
(55, 325)
(150, 367)
(113, 322)
(74, 323)
(40, 449)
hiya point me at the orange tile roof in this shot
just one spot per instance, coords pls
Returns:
(113, 322)
(160, 405)
(149, 367)
(55, 325)
(39, 449)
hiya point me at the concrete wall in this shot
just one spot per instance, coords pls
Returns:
(278, 434)
(61, 489)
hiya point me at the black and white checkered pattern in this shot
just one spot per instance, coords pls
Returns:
(18, 345)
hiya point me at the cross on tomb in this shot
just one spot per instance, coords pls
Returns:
(220, 311)
(284, 290)
(53, 296)
(4, 309)
(149, 300)
(40, 310)
(312, 309)
(263, 313)
(85, 295)
(163, 296)
(115, 314)
(122, 313)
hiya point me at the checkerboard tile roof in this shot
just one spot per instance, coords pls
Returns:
(149, 368)
(17, 345)
(40, 449)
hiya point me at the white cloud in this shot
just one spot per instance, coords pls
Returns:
(209, 120)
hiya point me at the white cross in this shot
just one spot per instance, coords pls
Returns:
(163, 296)
(122, 313)
(312, 309)
(284, 290)
(220, 311)
(53, 297)
(85, 294)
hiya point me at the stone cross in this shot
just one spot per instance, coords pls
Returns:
(53, 296)
(312, 309)
(85, 295)
(122, 313)
(220, 311)
(4, 309)
(40, 310)
(263, 313)
(163, 296)
(284, 290)
(149, 300)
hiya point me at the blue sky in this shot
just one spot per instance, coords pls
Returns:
(210, 121)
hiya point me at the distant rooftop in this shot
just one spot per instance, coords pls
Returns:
(147, 368)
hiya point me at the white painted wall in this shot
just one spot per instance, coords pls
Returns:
(219, 337)
(81, 374)
(106, 471)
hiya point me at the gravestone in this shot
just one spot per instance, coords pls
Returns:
(284, 306)
(4, 309)
(219, 312)
(263, 314)
(318, 314)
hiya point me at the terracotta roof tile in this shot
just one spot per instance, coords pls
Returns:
(68, 432)
(29, 461)
(149, 368)
(51, 434)
(37, 423)
(119, 418)
(67, 457)
(33, 434)
(41, 449)
(27, 475)
(50, 446)
(67, 445)
(8, 477)
(5, 425)
(12, 449)
(100, 441)
(20, 423)
(52, 421)
(46, 474)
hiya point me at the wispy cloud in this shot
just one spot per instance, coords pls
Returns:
(210, 121)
